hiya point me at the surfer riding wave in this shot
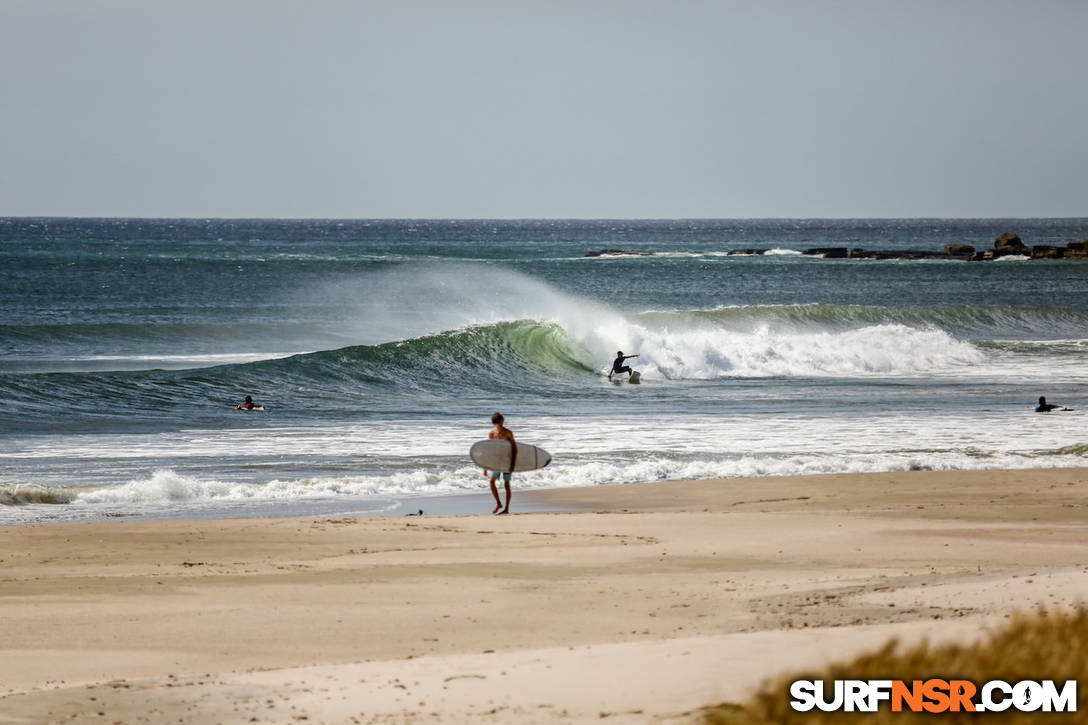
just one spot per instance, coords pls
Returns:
(619, 367)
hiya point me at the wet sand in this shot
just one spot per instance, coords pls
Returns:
(640, 602)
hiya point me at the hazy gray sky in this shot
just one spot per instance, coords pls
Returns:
(954, 108)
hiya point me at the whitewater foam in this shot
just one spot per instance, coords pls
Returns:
(166, 488)
(707, 352)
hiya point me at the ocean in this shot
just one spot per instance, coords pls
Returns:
(381, 348)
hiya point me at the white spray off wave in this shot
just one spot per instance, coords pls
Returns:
(409, 302)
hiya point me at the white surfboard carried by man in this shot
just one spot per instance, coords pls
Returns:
(494, 455)
(500, 456)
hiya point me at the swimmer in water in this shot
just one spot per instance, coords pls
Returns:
(248, 404)
(1045, 407)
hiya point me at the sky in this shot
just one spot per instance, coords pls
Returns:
(558, 109)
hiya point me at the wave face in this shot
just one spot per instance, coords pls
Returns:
(797, 341)
(575, 339)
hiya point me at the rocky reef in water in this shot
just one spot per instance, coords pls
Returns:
(1005, 245)
(619, 252)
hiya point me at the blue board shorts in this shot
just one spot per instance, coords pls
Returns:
(496, 474)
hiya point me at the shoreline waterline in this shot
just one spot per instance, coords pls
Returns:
(638, 496)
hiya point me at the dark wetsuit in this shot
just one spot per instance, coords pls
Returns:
(619, 367)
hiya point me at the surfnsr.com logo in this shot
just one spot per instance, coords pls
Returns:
(933, 695)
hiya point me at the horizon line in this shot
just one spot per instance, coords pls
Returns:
(535, 219)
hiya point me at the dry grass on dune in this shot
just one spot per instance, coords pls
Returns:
(1038, 646)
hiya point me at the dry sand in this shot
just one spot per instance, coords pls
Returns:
(646, 603)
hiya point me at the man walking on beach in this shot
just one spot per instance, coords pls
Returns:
(501, 431)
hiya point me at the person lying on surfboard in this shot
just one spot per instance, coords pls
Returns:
(1045, 407)
(618, 366)
(248, 404)
(501, 431)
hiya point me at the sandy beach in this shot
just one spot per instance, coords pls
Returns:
(638, 603)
